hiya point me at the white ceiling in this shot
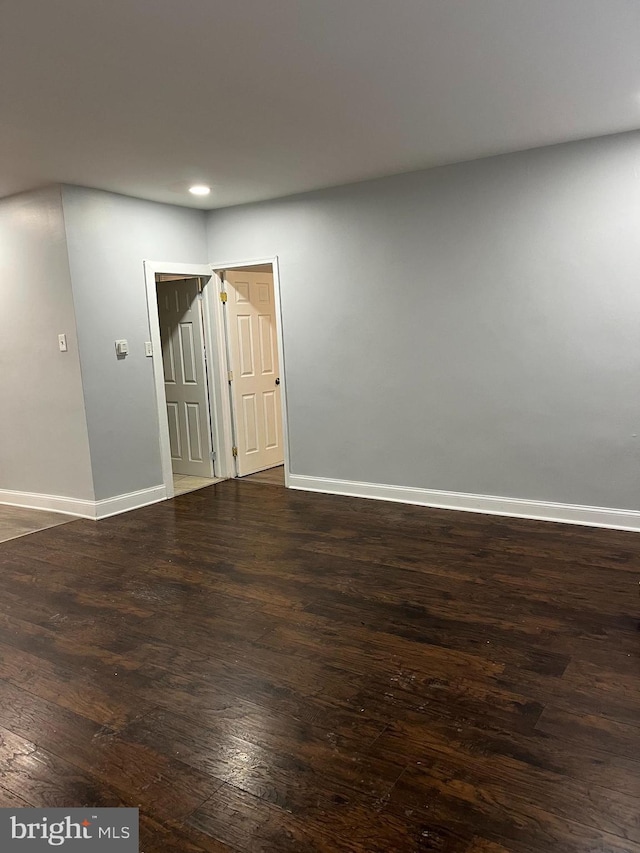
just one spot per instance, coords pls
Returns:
(262, 98)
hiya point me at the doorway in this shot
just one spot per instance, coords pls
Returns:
(247, 427)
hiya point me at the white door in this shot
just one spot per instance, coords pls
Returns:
(255, 383)
(185, 379)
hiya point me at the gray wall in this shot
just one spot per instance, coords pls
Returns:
(109, 236)
(43, 431)
(472, 328)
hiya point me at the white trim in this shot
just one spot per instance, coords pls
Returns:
(224, 399)
(218, 385)
(129, 501)
(225, 458)
(84, 509)
(151, 268)
(54, 503)
(589, 516)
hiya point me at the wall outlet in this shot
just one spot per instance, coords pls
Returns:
(148, 348)
(122, 348)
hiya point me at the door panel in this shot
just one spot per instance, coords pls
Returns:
(185, 380)
(174, 430)
(270, 419)
(196, 448)
(187, 354)
(245, 344)
(250, 423)
(254, 362)
(168, 357)
(267, 344)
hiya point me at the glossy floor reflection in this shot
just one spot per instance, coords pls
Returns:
(270, 671)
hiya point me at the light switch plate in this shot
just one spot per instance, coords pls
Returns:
(148, 348)
(62, 343)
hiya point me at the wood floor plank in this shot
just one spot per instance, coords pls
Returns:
(52, 782)
(166, 836)
(287, 767)
(9, 800)
(252, 823)
(418, 738)
(102, 700)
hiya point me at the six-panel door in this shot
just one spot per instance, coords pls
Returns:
(185, 381)
(254, 363)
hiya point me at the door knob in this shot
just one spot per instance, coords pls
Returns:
(278, 381)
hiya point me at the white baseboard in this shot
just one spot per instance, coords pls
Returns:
(589, 516)
(55, 503)
(132, 500)
(82, 508)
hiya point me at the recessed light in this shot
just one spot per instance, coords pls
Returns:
(199, 189)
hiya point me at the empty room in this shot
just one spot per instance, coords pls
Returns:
(320, 426)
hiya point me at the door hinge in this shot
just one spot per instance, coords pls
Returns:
(212, 455)
(230, 375)
(234, 450)
(223, 296)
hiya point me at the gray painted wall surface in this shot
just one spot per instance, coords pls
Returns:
(473, 328)
(109, 236)
(43, 431)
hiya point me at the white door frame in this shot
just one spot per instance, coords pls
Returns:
(215, 390)
(224, 398)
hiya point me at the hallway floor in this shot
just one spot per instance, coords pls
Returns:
(262, 670)
(270, 477)
(183, 483)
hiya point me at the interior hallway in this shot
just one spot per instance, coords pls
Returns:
(261, 669)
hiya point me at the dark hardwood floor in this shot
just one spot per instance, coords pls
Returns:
(266, 670)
